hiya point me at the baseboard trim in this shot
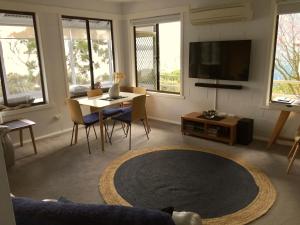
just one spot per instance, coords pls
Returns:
(53, 134)
(164, 120)
(56, 133)
(281, 142)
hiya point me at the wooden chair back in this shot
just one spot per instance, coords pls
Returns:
(139, 90)
(138, 108)
(94, 92)
(75, 111)
(126, 89)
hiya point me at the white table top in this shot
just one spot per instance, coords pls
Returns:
(98, 101)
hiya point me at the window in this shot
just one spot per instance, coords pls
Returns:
(89, 53)
(158, 56)
(20, 64)
(285, 86)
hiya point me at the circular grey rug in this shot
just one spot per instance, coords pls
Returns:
(194, 181)
(212, 184)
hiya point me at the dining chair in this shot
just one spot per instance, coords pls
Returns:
(127, 89)
(78, 119)
(294, 150)
(107, 113)
(93, 93)
(136, 90)
(137, 112)
(140, 90)
(143, 91)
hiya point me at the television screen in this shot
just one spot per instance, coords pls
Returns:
(222, 60)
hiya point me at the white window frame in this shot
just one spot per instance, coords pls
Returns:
(149, 18)
(39, 55)
(280, 7)
(114, 45)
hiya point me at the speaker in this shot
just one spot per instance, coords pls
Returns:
(244, 131)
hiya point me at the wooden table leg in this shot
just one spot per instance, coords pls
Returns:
(21, 137)
(278, 127)
(32, 139)
(101, 130)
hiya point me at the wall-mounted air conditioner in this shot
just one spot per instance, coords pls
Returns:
(221, 14)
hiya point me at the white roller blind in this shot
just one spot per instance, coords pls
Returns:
(155, 20)
(288, 6)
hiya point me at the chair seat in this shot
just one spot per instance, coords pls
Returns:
(126, 109)
(94, 117)
(111, 112)
(91, 118)
(125, 116)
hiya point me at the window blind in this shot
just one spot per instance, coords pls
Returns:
(155, 20)
(288, 6)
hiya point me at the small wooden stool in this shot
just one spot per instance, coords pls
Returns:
(20, 125)
(293, 152)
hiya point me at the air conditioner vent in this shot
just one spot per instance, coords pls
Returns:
(221, 14)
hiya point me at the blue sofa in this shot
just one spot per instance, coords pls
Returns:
(32, 212)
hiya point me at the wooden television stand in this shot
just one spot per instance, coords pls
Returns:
(223, 130)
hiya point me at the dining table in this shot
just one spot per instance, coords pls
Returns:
(104, 101)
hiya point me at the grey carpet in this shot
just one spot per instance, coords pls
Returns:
(61, 170)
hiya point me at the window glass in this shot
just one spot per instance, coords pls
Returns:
(146, 65)
(89, 54)
(286, 71)
(19, 57)
(101, 42)
(169, 51)
(158, 56)
(77, 56)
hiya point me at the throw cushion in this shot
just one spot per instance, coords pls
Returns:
(186, 218)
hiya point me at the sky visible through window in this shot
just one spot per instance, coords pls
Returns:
(9, 35)
(169, 44)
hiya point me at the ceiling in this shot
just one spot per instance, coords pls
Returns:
(124, 0)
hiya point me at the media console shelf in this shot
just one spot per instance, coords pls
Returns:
(223, 130)
(225, 86)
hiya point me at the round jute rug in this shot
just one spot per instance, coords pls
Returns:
(217, 185)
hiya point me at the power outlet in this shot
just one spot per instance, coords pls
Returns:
(57, 116)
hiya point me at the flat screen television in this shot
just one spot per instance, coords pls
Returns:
(221, 60)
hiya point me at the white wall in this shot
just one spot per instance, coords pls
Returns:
(247, 102)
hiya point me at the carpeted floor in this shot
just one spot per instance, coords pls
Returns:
(61, 170)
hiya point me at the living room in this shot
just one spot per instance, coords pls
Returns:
(59, 169)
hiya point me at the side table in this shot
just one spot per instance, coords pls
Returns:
(21, 124)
